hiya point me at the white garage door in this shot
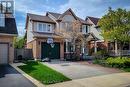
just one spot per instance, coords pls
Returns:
(3, 53)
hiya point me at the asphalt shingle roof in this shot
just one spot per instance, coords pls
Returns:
(40, 18)
(57, 15)
(94, 20)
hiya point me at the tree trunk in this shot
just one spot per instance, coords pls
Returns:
(122, 49)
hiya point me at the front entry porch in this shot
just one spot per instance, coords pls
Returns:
(116, 49)
(81, 48)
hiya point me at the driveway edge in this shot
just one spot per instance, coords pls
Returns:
(34, 81)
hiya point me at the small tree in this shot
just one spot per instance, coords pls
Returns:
(19, 42)
(115, 26)
(71, 32)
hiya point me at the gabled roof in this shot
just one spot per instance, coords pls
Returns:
(56, 15)
(83, 21)
(10, 25)
(60, 16)
(40, 18)
(69, 11)
(93, 19)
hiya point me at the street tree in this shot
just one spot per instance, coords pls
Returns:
(115, 26)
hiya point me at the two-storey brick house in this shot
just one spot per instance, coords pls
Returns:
(39, 28)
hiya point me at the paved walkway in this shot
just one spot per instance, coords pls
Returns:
(111, 80)
(9, 77)
(80, 70)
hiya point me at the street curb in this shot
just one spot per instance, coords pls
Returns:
(34, 81)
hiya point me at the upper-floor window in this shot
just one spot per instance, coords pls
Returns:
(2, 20)
(67, 26)
(7, 6)
(49, 27)
(84, 29)
(40, 27)
(44, 27)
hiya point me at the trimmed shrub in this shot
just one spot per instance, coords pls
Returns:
(101, 54)
(118, 62)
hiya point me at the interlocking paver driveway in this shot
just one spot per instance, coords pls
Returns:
(80, 70)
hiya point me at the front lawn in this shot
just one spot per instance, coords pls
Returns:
(43, 73)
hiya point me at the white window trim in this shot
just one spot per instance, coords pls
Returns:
(84, 29)
(46, 27)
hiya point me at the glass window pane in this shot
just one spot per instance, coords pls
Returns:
(49, 28)
(44, 27)
(3, 6)
(9, 7)
(84, 29)
(2, 20)
(40, 27)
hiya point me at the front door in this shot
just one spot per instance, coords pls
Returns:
(48, 51)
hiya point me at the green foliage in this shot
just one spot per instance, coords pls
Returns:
(19, 42)
(43, 73)
(101, 54)
(115, 25)
(100, 61)
(118, 62)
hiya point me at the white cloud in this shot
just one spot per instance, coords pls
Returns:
(30, 6)
(83, 8)
(96, 8)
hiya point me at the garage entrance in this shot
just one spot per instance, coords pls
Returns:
(48, 51)
(3, 53)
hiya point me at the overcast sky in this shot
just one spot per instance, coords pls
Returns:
(82, 8)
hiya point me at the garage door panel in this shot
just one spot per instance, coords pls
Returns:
(48, 51)
(3, 53)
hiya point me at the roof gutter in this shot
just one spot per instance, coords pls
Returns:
(4, 34)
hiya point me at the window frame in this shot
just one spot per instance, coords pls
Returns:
(46, 27)
(84, 29)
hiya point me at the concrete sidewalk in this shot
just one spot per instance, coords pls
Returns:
(111, 80)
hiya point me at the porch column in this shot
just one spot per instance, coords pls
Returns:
(66, 46)
(95, 47)
(116, 53)
(83, 49)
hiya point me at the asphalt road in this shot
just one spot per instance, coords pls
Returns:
(9, 77)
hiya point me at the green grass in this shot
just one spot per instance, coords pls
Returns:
(43, 73)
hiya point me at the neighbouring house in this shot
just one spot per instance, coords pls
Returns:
(41, 29)
(8, 31)
(113, 48)
(95, 29)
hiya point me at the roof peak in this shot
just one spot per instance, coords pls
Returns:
(93, 17)
(53, 12)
